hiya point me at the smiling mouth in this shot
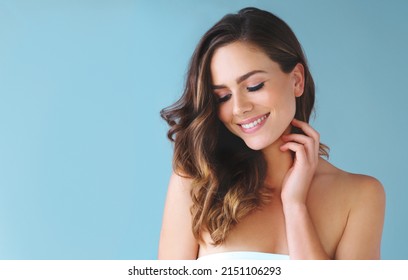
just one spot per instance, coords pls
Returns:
(254, 123)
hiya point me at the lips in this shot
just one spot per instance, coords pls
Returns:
(253, 124)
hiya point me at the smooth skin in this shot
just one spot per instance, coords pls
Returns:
(317, 211)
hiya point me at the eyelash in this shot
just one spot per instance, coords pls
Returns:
(255, 88)
(224, 98)
(249, 89)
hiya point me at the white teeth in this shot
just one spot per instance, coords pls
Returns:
(254, 123)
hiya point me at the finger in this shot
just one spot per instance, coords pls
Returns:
(299, 149)
(308, 142)
(309, 131)
(300, 138)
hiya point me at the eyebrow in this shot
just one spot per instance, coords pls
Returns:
(240, 79)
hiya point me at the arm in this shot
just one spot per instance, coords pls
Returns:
(176, 237)
(303, 241)
(302, 238)
(362, 236)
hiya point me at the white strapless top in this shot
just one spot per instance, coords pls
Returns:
(244, 255)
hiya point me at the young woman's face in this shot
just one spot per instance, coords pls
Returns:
(256, 98)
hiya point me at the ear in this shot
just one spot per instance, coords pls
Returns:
(299, 79)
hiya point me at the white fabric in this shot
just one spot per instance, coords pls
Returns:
(244, 255)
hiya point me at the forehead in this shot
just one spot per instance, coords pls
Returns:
(236, 59)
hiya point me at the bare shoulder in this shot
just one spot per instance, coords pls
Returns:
(352, 185)
(365, 188)
(180, 185)
(347, 190)
(355, 205)
(176, 238)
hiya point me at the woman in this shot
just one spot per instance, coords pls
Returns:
(249, 180)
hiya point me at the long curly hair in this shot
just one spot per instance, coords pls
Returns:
(228, 177)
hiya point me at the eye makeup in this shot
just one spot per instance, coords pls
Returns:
(255, 88)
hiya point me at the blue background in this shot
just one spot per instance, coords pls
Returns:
(84, 159)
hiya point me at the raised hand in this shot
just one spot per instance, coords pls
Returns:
(297, 181)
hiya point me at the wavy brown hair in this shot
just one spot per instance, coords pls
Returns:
(228, 177)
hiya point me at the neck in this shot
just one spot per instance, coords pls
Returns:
(278, 164)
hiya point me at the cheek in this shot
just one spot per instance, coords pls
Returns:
(290, 104)
(224, 114)
(288, 110)
(279, 101)
(282, 106)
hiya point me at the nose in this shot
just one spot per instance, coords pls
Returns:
(241, 104)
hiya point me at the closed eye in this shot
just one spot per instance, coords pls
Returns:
(224, 98)
(255, 88)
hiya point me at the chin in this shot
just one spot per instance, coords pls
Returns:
(263, 142)
(256, 146)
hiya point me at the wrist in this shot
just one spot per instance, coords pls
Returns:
(294, 207)
(293, 199)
